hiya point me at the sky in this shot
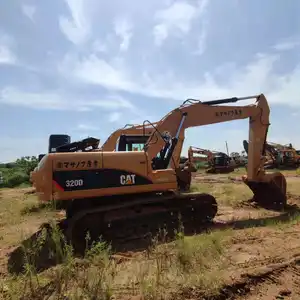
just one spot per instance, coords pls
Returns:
(88, 67)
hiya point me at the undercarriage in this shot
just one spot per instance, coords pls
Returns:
(130, 218)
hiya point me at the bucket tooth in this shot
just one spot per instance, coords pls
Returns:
(270, 194)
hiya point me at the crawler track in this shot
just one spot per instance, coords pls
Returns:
(139, 219)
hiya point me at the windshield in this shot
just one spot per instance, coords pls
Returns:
(135, 147)
(288, 154)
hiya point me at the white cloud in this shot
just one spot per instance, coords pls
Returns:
(176, 19)
(287, 45)
(59, 101)
(6, 54)
(98, 67)
(114, 117)
(123, 29)
(97, 71)
(77, 28)
(29, 11)
(256, 77)
(201, 44)
(99, 46)
(83, 127)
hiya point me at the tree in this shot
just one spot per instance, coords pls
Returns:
(27, 163)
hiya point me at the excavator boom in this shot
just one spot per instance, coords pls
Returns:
(268, 189)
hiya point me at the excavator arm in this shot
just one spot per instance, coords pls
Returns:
(194, 113)
(192, 160)
(196, 150)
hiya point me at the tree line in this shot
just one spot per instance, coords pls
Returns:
(17, 173)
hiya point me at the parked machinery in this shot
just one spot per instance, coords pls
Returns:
(217, 162)
(279, 156)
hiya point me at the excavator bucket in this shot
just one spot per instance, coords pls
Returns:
(270, 194)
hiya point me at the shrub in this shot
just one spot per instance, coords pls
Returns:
(17, 173)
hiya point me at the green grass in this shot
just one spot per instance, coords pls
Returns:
(196, 263)
(16, 217)
(225, 193)
(235, 193)
(163, 270)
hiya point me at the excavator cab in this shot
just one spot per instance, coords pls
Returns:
(221, 159)
(220, 163)
(128, 142)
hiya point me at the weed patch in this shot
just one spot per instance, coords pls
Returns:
(163, 269)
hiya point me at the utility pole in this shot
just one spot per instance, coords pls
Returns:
(227, 148)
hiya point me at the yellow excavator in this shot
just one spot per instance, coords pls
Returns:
(286, 156)
(279, 156)
(218, 162)
(125, 194)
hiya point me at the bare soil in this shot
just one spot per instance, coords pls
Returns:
(262, 258)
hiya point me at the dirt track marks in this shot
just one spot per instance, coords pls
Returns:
(272, 281)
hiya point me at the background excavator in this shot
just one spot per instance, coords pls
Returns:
(124, 195)
(218, 162)
(285, 155)
(279, 156)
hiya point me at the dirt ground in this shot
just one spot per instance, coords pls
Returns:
(261, 259)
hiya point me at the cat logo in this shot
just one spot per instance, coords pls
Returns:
(127, 179)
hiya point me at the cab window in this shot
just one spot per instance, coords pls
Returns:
(135, 147)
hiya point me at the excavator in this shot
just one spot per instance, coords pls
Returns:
(194, 160)
(218, 162)
(123, 195)
(270, 155)
(279, 156)
(286, 155)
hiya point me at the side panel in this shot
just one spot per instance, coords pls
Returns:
(77, 176)
(77, 180)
